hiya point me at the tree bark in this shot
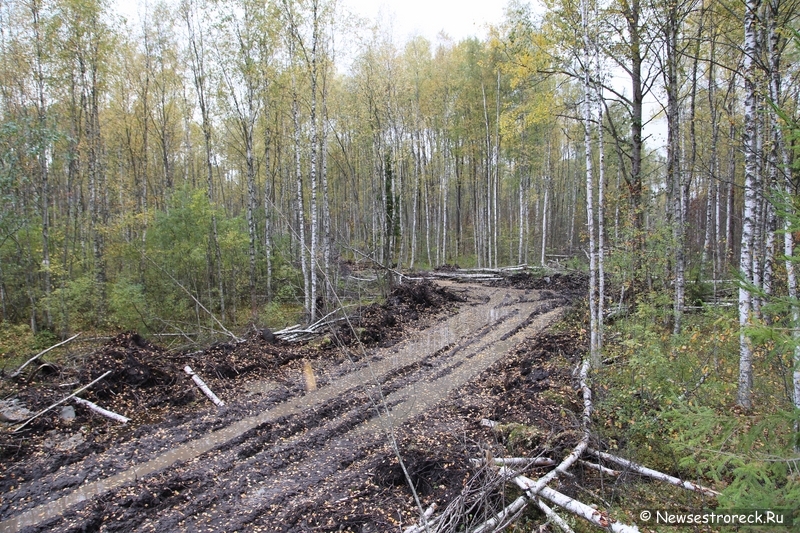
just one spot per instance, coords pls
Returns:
(751, 196)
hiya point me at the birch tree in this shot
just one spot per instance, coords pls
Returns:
(752, 185)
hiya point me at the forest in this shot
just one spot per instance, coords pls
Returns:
(235, 161)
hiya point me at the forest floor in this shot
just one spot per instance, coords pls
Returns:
(310, 434)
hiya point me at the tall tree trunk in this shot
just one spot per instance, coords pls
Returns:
(269, 201)
(522, 200)
(637, 103)
(729, 202)
(43, 143)
(314, 141)
(674, 172)
(751, 196)
(601, 170)
(251, 206)
(594, 352)
(327, 240)
(299, 210)
(416, 152)
(489, 160)
(496, 164)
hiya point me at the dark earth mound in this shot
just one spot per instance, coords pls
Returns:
(569, 284)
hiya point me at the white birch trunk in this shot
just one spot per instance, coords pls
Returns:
(489, 160)
(783, 176)
(497, 175)
(554, 518)
(601, 282)
(521, 217)
(314, 141)
(415, 201)
(749, 223)
(445, 185)
(544, 224)
(268, 213)
(580, 509)
(587, 140)
(327, 244)
(654, 474)
(299, 211)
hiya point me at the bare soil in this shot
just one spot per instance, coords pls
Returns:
(283, 456)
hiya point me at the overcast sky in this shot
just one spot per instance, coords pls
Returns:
(458, 18)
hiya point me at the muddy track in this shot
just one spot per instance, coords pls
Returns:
(266, 462)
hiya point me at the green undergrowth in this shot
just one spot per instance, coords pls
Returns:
(669, 402)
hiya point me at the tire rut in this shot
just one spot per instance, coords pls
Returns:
(264, 461)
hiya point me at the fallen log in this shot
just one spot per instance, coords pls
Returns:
(553, 516)
(43, 411)
(516, 461)
(508, 513)
(203, 387)
(104, 412)
(601, 468)
(38, 355)
(577, 508)
(654, 474)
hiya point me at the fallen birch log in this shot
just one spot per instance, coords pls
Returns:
(553, 516)
(104, 412)
(503, 516)
(577, 508)
(43, 411)
(516, 461)
(203, 387)
(601, 468)
(38, 355)
(649, 472)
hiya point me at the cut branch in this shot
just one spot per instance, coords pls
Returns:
(203, 387)
(105, 412)
(516, 461)
(601, 468)
(38, 355)
(577, 508)
(503, 516)
(554, 518)
(649, 472)
(43, 411)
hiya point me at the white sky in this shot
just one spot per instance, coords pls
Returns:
(458, 18)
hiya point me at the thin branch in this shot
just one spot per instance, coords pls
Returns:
(43, 411)
(38, 355)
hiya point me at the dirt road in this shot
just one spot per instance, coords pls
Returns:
(272, 458)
